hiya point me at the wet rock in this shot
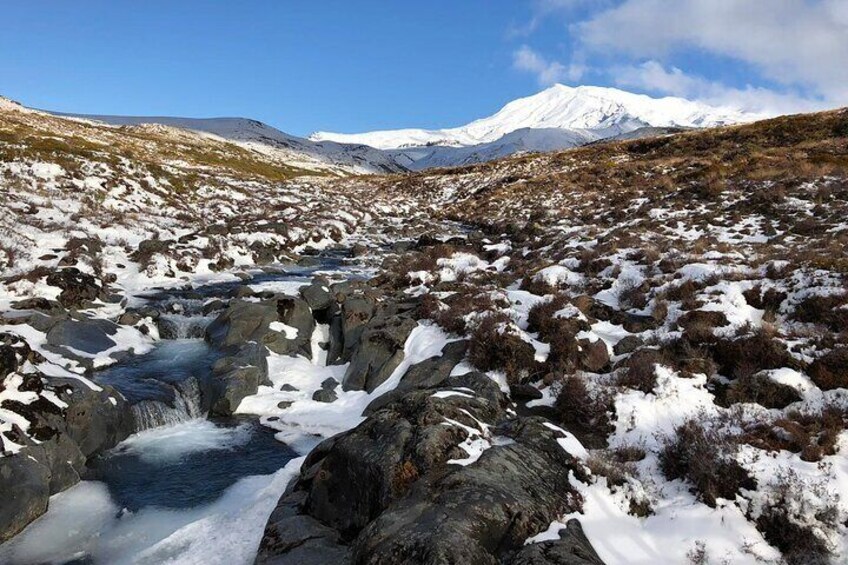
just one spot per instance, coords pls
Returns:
(95, 420)
(329, 384)
(78, 288)
(213, 306)
(238, 376)
(572, 548)
(8, 361)
(478, 513)
(288, 388)
(24, 490)
(378, 354)
(524, 392)
(240, 323)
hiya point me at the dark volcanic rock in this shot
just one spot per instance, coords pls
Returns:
(96, 420)
(24, 490)
(524, 392)
(78, 288)
(240, 323)
(238, 376)
(476, 514)
(572, 548)
(89, 336)
(379, 353)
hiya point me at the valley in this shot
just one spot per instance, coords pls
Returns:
(623, 341)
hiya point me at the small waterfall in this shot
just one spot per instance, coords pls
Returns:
(185, 406)
(181, 326)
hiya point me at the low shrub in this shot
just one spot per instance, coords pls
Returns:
(640, 370)
(748, 355)
(830, 371)
(825, 310)
(706, 458)
(578, 408)
(495, 346)
(762, 390)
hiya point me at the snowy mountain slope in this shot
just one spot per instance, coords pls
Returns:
(525, 140)
(326, 155)
(605, 111)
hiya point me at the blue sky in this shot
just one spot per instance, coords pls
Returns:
(357, 65)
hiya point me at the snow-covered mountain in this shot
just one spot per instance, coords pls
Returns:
(258, 136)
(556, 118)
(576, 114)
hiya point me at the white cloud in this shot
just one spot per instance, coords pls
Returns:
(797, 43)
(653, 76)
(547, 72)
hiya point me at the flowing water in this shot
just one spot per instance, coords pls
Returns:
(185, 488)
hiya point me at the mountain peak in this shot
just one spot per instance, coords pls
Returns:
(604, 111)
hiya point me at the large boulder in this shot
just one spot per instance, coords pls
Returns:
(24, 490)
(245, 321)
(480, 512)
(236, 377)
(346, 327)
(241, 322)
(78, 289)
(96, 420)
(294, 313)
(571, 548)
(379, 353)
(429, 373)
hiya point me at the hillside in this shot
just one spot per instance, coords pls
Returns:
(634, 351)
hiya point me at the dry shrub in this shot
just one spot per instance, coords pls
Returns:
(762, 390)
(559, 333)
(495, 346)
(823, 310)
(451, 315)
(706, 458)
(813, 435)
(640, 370)
(686, 293)
(580, 409)
(786, 524)
(633, 295)
(830, 371)
(748, 355)
(769, 300)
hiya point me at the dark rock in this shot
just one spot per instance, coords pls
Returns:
(524, 392)
(296, 539)
(572, 548)
(88, 336)
(317, 296)
(39, 304)
(24, 490)
(378, 354)
(129, 318)
(213, 306)
(350, 478)
(8, 361)
(288, 388)
(478, 513)
(324, 395)
(78, 288)
(294, 312)
(356, 311)
(95, 420)
(329, 384)
(240, 323)
(237, 377)
(628, 344)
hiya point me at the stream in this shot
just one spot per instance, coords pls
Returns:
(186, 488)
